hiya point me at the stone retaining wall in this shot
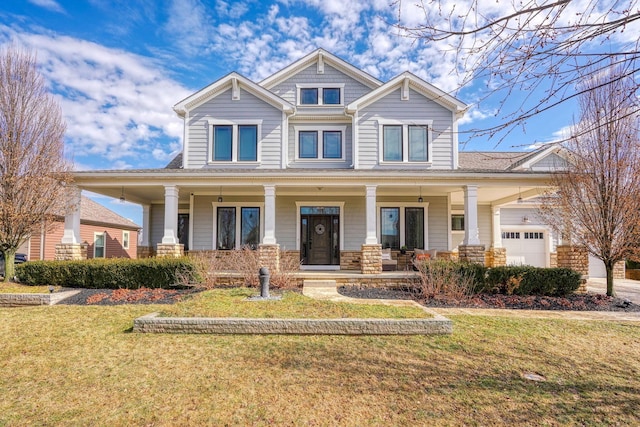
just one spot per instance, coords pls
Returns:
(19, 300)
(198, 325)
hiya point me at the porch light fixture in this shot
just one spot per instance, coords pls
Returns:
(122, 199)
(519, 196)
(220, 199)
(420, 199)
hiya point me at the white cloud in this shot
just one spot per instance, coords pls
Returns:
(51, 5)
(117, 105)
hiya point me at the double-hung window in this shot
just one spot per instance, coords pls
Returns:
(311, 94)
(99, 245)
(237, 227)
(125, 239)
(405, 142)
(403, 226)
(234, 142)
(321, 143)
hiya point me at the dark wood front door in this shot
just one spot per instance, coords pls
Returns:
(320, 239)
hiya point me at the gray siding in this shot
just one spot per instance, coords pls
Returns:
(156, 220)
(417, 108)
(222, 107)
(353, 89)
(202, 238)
(513, 216)
(550, 162)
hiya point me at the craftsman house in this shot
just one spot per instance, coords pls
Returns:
(330, 165)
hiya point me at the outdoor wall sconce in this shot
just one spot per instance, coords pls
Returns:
(122, 199)
(420, 199)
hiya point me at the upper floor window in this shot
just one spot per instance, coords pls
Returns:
(405, 143)
(235, 142)
(320, 95)
(325, 143)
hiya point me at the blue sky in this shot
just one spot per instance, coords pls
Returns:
(118, 67)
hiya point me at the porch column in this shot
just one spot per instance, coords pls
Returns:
(269, 250)
(370, 221)
(70, 246)
(144, 250)
(497, 254)
(269, 215)
(371, 260)
(471, 250)
(170, 245)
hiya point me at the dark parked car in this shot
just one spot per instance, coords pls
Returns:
(20, 258)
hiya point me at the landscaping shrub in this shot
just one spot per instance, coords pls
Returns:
(527, 280)
(449, 278)
(112, 273)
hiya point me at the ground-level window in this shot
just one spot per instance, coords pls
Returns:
(125, 239)
(402, 226)
(99, 240)
(243, 222)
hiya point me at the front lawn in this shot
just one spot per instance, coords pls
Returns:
(81, 365)
(16, 288)
(233, 303)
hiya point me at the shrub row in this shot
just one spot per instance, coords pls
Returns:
(110, 273)
(517, 280)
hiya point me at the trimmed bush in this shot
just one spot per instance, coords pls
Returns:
(112, 273)
(527, 280)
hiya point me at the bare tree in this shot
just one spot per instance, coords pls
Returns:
(33, 170)
(597, 204)
(532, 52)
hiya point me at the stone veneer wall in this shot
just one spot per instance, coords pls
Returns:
(71, 251)
(145, 252)
(371, 261)
(553, 259)
(350, 260)
(472, 253)
(269, 256)
(576, 258)
(496, 257)
(170, 250)
(618, 270)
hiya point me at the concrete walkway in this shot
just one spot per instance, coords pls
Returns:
(327, 290)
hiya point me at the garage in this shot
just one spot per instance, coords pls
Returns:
(596, 267)
(525, 247)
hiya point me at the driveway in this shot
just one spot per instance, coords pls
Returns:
(624, 288)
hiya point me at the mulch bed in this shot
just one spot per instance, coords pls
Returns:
(577, 302)
(126, 296)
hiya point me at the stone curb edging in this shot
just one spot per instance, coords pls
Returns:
(151, 323)
(19, 300)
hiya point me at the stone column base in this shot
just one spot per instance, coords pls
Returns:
(619, 270)
(471, 253)
(170, 250)
(371, 260)
(70, 251)
(144, 252)
(269, 256)
(497, 257)
(574, 257)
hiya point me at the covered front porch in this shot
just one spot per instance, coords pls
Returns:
(340, 222)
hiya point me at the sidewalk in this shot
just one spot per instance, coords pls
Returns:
(624, 288)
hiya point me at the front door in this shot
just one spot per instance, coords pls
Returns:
(320, 239)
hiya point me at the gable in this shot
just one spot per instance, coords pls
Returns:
(551, 162)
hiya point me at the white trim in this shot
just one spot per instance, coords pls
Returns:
(284, 131)
(191, 208)
(104, 243)
(313, 203)
(185, 141)
(401, 206)
(238, 206)
(128, 240)
(405, 141)
(319, 87)
(455, 156)
(211, 123)
(319, 129)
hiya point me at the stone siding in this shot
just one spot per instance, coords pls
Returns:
(371, 261)
(350, 260)
(496, 257)
(19, 300)
(553, 260)
(575, 258)
(269, 256)
(71, 251)
(145, 252)
(170, 250)
(472, 253)
(181, 325)
(618, 270)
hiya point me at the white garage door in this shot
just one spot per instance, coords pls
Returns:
(525, 247)
(596, 267)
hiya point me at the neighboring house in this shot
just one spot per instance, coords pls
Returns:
(104, 233)
(329, 164)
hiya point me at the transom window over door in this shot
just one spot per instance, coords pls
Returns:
(236, 142)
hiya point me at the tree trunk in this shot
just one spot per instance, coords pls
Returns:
(609, 268)
(9, 265)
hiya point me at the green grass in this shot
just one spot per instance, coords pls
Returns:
(234, 303)
(69, 365)
(16, 288)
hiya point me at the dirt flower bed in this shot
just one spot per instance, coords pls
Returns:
(577, 302)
